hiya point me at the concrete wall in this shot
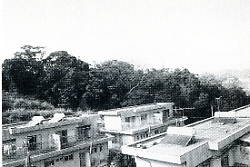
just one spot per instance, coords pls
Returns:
(113, 123)
(43, 138)
(141, 162)
(61, 162)
(101, 154)
(198, 155)
(127, 139)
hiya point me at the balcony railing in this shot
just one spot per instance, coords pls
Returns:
(14, 153)
(133, 125)
(127, 126)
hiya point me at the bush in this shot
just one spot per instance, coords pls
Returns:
(45, 105)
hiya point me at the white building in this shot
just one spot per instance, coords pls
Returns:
(220, 141)
(58, 142)
(134, 123)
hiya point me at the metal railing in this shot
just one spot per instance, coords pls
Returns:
(132, 125)
(11, 152)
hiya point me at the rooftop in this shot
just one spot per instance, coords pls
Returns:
(208, 135)
(39, 123)
(137, 109)
(213, 131)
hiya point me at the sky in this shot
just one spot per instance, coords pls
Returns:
(200, 35)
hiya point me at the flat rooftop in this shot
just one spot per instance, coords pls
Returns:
(208, 131)
(208, 135)
(39, 124)
(213, 131)
(138, 108)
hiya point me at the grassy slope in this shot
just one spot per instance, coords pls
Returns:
(16, 108)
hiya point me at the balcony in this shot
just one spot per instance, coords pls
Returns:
(142, 124)
(16, 156)
(131, 127)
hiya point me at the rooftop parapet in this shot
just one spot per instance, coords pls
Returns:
(210, 139)
(136, 109)
(56, 121)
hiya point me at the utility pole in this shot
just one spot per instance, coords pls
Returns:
(218, 104)
(212, 110)
(28, 160)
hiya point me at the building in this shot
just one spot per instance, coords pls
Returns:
(58, 142)
(130, 124)
(219, 141)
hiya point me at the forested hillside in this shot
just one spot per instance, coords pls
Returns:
(64, 81)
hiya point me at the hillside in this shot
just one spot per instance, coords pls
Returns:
(18, 108)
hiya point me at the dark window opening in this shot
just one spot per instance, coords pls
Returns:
(49, 163)
(100, 148)
(84, 132)
(32, 145)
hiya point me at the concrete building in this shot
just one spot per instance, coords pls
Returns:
(58, 142)
(220, 141)
(130, 124)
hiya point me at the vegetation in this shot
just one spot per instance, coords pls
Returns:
(18, 108)
(63, 81)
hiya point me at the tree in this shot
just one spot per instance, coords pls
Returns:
(189, 84)
(25, 70)
(66, 79)
(109, 83)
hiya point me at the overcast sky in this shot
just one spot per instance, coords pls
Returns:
(201, 35)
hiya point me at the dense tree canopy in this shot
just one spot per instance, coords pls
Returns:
(65, 81)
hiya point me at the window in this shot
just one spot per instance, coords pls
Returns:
(64, 136)
(165, 115)
(133, 119)
(32, 145)
(9, 149)
(156, 131)
(130, 119)
(100, 148)
(49, 163)
(84, 132)
(143, 117)
(127, 119)
(94, 150)
(64, 139)
(69, 157)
